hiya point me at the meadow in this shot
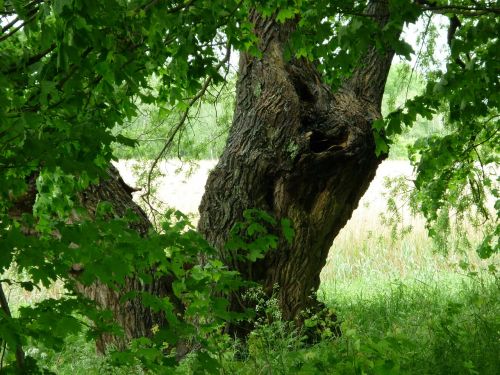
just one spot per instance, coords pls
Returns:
(403, 306)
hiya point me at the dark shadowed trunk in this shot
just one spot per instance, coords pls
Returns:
(297, 150)
(135, 319)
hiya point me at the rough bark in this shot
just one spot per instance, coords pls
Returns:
(297, 150)
(135, 319)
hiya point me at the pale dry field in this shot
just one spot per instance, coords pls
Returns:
(181, 185)
(363, 247)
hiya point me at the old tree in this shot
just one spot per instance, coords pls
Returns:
(305, 142)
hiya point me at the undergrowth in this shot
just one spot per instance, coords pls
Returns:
(447, 324)
(441, 326)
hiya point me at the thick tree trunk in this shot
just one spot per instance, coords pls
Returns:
(135, 319)
(298, 151)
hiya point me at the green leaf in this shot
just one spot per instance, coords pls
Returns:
(288, 231)
(381, 146)
(285, 14)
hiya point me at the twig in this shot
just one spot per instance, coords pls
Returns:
(463, 10)
(180, 124)
(490, 136)
(10, 24)
(418, 56)
(32, 15)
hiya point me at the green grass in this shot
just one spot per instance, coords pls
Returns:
(78, 357)
(437, 324)
(444, 323)
(403, 308)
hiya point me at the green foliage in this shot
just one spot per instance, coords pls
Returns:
(405, 83)
(47, 323)
(70, 72)
(455, 168)
(273, 339)
(259, 233)
(440, 326)
(199, 288)
(203, 136)
(387, 324)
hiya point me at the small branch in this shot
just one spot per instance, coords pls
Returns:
(4, 304)
(490, 136)
(32, 15)
(33, 59)
(472, 11)
(418, 56)
(180, 124)
(73, 69)
(14, 30)
(10, 24)
(480, 162)
(455, 24)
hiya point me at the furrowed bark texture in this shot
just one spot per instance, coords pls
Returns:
(135, 319)
(298, 151)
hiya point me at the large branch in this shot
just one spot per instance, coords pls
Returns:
(370, 75)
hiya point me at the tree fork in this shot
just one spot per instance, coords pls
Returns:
(297, 150)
